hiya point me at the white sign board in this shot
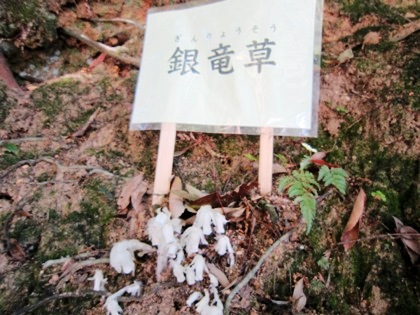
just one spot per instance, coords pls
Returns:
(231, 66)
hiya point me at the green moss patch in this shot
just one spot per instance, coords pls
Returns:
(358, 8)
(66, 235)
(56, 97)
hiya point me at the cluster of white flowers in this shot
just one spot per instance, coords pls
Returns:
(165, 233)
(111, 304)
(122, 260)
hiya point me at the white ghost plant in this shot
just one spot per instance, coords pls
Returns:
(111, 303)
(196, 295)
(204, 307)
(122, 255)
(160, 229)
(98, 280)
(112, 307)
(178, 270)
(223, 246)
(195, 271)
(208, 217)
(192, 238)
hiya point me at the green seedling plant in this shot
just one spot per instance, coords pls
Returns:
(379, 195)
(302, 186)
(250, 157)
(11, 148)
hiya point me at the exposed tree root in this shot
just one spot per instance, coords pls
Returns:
(120, 20)
(114, 52)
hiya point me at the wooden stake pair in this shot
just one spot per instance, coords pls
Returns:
(166, 156)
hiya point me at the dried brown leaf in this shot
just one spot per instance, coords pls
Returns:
(411, 239)
(137, 196)
(16, 251)
(126, 194)
(184, 195)
(345, 56)
(219, 274)
(279, 169)
(398, 224)
(176, 202)
(215, 200)
(298, 297)
(231, 212)
(351, 231)
(137, 215)
(24, 213)
(318, 156)
(372, 38)
(211, 199)
(194, 192)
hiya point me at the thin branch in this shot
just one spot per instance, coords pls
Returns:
(53, 262)
(63, 260)
(16, 166)
(118, 20)
(66, 295)
(405, 31)
(65, 276)
(63, 168)
(251, 274)
(20, 140)
(393, 236)
(54, 182)
(115, 52)
(81, 132)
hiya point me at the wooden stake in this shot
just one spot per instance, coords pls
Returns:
(265, 171)
(164, 162)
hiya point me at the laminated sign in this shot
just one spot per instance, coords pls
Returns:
(233, 66)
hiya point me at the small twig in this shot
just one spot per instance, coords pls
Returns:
(330, 270)
(118, 20)
(405, 31)
(82, 264)
(16, 166)
(277, 302)
(114, 52)
(82, 130)
(63, 260)
(250, 238)
(389, 235)
(66, 295)
(251, 274)
(53, 262)
(63, 168)
(54, 182)
(20, 140)
(101, 171)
